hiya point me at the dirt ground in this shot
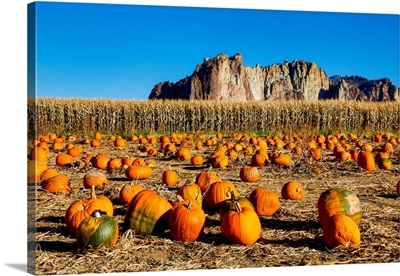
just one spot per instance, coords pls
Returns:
(291, 237)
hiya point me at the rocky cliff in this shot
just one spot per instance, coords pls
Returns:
(226, 78)
(362, 89)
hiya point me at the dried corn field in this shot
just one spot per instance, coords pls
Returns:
(124, 116)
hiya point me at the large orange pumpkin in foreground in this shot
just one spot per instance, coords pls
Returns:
(241, 225)
(186, 222)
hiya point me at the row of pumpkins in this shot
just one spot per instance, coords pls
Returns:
(148, 213)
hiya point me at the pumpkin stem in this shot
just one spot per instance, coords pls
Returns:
(179, 198)
(97, 214)
(231, 193)
(93, 194)
(238, 208)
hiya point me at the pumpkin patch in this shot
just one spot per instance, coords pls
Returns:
(275, 193)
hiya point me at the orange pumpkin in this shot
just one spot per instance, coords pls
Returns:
(258, 160)
(265, 202)
(114, 163)
(341, 231)
(57, 183)
(108, 205)
(48, 173)
(249, 174)
(100, 161)
(128, 192)
(64, 159)
(80, 209)
(95, 143)
(38, 154)
(169, 177)
(183, 154)
(197, 160)
(58, 146)
(205, 178)
(186, 222)
(293, 190)
(219, 161)
(365, 160)
(120, 142)
(218, 192)
(138, 172)
(191, 191)
(241, 225)
(281, 159)
(316, 154)
(343, 155)
(128, 161)
(229, 204)
(75, 151)
(94, 178)
(87, 158)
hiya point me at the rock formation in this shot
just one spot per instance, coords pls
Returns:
(226, 78)
(362, 89)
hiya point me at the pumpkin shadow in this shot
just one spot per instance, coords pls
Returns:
(313, 243)
(56, 246)
(118, 179)
(194, 168)
(62, 230)
(393, 196)
(212, 238)
(295, 225)
(55, 219)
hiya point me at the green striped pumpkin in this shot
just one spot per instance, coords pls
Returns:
(148, 213)
(97, 229)
(338, 201)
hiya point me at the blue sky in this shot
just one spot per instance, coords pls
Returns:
(122, 51)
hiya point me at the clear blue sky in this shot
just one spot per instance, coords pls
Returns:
(122, 51)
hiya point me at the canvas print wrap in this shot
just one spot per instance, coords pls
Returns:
(166, 138)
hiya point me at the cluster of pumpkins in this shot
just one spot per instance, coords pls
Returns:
(91, 220)
(148, 213)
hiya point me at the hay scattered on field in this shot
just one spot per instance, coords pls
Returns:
(291, 237)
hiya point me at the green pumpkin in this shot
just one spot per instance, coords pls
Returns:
(97, 229)
(338, 201)
(384, 163)
(148, 213)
